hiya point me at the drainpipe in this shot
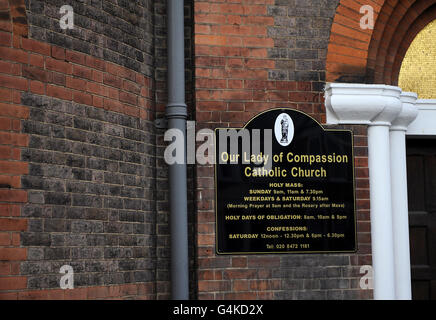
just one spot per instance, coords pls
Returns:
(176, 113)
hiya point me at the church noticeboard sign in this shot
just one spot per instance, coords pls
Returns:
(284, 185)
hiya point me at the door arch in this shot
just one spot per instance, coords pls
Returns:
(374, 55)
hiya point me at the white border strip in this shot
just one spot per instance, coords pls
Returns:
(425, 123)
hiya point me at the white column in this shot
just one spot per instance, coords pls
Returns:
(381, 212)
(376, 106)
(400, 212)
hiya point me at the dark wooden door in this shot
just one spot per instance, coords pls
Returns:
(421, 175)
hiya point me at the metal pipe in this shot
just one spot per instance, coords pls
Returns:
(176, 113)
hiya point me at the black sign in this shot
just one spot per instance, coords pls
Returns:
(294, 193)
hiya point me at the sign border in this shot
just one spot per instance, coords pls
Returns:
(284, 252)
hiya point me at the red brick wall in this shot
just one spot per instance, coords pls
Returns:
(30, 66)
(374, 55)
(232, 65)
(232, 85)
(250, 56)
(348, 47)
(11, 168)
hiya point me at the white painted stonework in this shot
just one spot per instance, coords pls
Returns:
(388, 113)
(425, 123)
(400, 210)
(349, 103)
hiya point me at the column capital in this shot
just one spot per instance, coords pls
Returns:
(371, 104)
(408, 113)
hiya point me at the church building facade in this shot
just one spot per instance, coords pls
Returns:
(84, 186)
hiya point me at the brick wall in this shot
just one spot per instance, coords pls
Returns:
(418, 73)
(78, 149)
(83, 181)
(11, 140)
(115, 31)
(374, 55)
(251, 56)
(348, 46)
(301, 34)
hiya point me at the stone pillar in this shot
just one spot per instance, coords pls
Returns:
(400, 212)
(377, 106)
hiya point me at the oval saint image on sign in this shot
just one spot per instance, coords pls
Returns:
(284, 129)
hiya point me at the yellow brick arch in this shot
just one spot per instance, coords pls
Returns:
(418, 70)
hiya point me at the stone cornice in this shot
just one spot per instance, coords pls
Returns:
(408, 113)
(362, 103)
